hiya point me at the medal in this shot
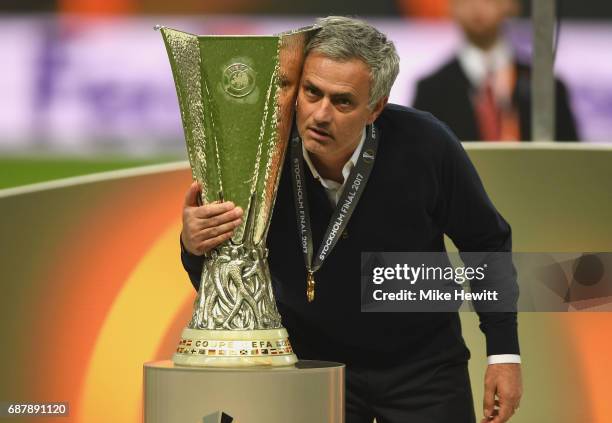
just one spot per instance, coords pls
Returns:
(310, 287)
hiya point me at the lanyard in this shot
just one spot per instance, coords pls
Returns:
(353, 188)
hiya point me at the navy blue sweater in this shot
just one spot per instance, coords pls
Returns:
(422, 186)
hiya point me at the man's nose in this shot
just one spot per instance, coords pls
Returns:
(323, 113)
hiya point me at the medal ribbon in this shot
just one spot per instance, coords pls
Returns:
(353, 188)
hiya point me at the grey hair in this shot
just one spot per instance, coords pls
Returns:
(342, 38)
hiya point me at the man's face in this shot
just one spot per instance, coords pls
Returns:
(332, 105)
(481, 19)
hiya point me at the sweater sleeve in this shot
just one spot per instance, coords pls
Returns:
(193, 265)
(469, 218)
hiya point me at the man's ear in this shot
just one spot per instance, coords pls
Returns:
(377, 110)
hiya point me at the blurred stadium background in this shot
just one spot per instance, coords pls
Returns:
(86, 84)
(93, 286)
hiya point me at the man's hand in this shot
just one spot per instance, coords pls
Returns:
(502, 393)
(207, 226)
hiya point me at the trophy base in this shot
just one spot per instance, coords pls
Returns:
(234, 348)
(307, 392)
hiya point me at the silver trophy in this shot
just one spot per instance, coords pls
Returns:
(237, 96)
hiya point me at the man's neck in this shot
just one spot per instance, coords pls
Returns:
(331, 168)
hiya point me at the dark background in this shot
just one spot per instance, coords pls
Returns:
(584, 9)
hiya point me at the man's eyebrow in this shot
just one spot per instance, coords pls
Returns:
(347, 94)
(309, 84)
(340, 94)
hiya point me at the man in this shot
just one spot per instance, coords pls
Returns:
(484, 93)
(400, 367)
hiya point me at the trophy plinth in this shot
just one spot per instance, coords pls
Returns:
(310, 391)
(236, 96)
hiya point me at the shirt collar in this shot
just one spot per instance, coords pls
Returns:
(346, 170)
(477, 63)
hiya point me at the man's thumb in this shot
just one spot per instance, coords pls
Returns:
(191, 196)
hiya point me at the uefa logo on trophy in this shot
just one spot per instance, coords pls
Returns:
(238, 80)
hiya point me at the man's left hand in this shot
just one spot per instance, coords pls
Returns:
(502, 392)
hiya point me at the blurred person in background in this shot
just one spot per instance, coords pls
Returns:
(483, 92)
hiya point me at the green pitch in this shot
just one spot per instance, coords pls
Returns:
(23, 170)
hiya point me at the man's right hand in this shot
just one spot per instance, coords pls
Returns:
(207, 226)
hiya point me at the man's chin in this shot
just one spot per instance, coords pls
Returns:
(314, 146)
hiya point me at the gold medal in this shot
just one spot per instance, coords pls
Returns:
(310, 287)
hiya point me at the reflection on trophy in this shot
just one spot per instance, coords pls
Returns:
(236, 96)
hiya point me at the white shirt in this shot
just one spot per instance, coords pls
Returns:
(495, 63)
(334, 190)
